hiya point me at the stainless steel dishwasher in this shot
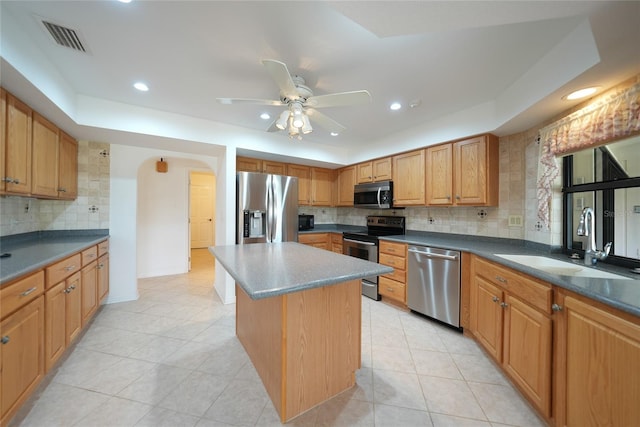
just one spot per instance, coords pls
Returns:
(433, 286)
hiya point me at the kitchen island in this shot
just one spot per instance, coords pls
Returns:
(298, 316)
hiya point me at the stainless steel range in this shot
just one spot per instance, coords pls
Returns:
(365, 245)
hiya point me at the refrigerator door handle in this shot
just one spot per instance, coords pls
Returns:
(269, 209)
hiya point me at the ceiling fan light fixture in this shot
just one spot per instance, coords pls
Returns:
(306, 127)
(281, 123)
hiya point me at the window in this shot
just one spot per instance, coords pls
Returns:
(606, 179)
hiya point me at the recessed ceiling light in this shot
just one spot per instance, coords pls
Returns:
(141, 86)
(124, 1)
(395, 106)
(582, 93)
(265, 116)
(334, 134)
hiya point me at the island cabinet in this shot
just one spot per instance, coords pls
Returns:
(345, 181)
(511, 317)
(374, 170)
(394, 285)
(17, 149)
(304, 345)
(21, 342)
(598, 364)
(317, 240)
(409, 179)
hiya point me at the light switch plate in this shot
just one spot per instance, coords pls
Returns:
(515, 220)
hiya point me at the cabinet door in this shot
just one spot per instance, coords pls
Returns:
(321, 184)
(488, 316)
(44, 164)
(247, 164)
(89, 293)
(73, 308)
(275, 168)
(602, 367)
(470, 182)
(18, 147)
(408, 179)
(382, 169)
(22, 356)
(303, 173)
(67, 167)
(527, 351)
(439, 185)
(364, 172)
(103, 277)
(3, 134)
(346, 182)
(54, 324)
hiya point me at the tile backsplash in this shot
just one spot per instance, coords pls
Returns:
(90, 210)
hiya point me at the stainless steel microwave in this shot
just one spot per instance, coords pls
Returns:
(376, 195)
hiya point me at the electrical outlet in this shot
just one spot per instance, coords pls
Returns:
(515, 220)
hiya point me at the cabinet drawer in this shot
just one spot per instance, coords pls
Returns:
(89, 255)
(313, 238)
(391, 289)
(103, 247)
(59, 271)
(392, 248)
(16, 295)
(534, 292)
(397, 275)
(393, 261)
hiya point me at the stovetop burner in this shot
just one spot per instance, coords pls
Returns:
(379, 226)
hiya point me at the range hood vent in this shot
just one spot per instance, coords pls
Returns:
(64, 36)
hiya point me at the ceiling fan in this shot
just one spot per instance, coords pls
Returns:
(301, 103)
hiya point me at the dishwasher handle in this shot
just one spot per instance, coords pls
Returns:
(432, 255)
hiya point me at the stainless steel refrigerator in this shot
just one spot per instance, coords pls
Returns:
(267, 208)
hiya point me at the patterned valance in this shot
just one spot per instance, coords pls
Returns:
(609, 118)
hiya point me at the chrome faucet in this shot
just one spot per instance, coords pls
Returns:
(587, 228)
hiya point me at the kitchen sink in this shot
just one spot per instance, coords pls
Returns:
(563, 268)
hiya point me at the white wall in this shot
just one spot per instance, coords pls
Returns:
(141, 201)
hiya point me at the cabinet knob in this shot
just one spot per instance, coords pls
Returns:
(501, 279)
(62, 190)
(448, 197)
(5, 339)
(67, 290)
(7, 179)
(556, 307)
(504, 305)
(457, 197)
(495, 299)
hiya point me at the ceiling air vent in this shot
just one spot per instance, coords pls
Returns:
(64, 36)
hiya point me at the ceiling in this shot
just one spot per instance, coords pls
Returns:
(468, 66)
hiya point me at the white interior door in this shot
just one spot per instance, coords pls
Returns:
(202, 209)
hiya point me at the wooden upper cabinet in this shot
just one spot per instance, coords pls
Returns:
(247, 164)
(408, 178)
(344, 188)
(17, 171)
(321, 187)
(303, 173)
(44, 166)
(67, 167)
(476, 171)
(439, 185)
(374, 170)
(3, 134)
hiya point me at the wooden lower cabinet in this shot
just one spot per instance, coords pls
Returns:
(89, 293)
(393, 285)
(598, 376)
(516, 331)
(63, 319)
(21, 356)
(336, 242)
(317, 240)
(103, 277)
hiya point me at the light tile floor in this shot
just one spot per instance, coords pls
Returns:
(171, 358)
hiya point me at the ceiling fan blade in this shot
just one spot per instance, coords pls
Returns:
(339, 99)
(324, 121)
(280, 74)
(227, 101)
(272, 127)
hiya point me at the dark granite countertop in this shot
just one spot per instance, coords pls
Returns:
(619, 293)
(33, 251)
(265, 270)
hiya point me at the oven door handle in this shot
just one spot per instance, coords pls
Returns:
(359, 242)
(379, 190)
